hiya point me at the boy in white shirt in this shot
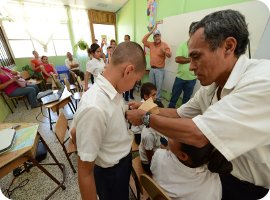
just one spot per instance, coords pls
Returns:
(102, 138)
(183, 174)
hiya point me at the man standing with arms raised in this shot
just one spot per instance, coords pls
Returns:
(158, 52)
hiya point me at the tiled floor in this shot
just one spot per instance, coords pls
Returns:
(39, 185)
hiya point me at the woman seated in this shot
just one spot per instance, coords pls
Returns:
(10, 84)
(47, 69)
(36, 65)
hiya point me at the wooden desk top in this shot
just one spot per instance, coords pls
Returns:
(9, 156)
(66, 95)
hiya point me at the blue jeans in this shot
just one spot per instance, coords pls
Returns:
(30, 91)
(156, 76)
(180, 85)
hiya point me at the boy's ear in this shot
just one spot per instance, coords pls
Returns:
(128, 69)
(182, 156)
(145, 96)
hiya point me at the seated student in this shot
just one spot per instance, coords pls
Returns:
(47, 69)
(9, 84)
(96, 65)
(36, 64)
(182, 171)
(147, 90)
(73, 64)
(150, 138)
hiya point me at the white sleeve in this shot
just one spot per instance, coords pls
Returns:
(89, 66)
(90, 131)
(67, 63)
(239, 122)
(147, 138)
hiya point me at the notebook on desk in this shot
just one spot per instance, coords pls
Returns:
(56, 95)
(6, 139)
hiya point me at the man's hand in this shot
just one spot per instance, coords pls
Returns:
(135, 116)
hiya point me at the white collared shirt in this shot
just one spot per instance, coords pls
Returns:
(238, 125)
(182, 182)
(95, 67)
(150, 140)
(101, 129)
(73, 62)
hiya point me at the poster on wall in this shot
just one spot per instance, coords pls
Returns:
(151, 13)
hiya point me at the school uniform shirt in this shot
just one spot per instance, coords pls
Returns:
(73, 62)
(101, 129)
(184, 183)
(238, 124)
(150, 140)
(95, 66)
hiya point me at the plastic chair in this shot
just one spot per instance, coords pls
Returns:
(61, 128)
(152, 188)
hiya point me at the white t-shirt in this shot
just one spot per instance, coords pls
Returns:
(184, 183)
(238, 125)
(101, 129)
(150, 140)
(95, 67)
(73, 62)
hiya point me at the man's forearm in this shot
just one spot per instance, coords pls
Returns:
(168, 112)
(181, 129)
(74, 66)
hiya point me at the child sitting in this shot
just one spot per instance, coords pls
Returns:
(147, 90)
(150, 138)
(182, 171)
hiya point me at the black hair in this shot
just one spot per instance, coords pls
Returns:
(112, 40)
(128, 36)
(207, 154)
(43, 57)
(93, 48)
(146, 89)
(223, 24)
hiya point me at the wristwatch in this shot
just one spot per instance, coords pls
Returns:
(146, 119)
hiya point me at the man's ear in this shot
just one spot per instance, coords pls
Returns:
(230, 45)
(128, 69)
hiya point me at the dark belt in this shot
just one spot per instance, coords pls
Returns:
(154, 67)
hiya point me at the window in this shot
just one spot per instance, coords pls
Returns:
(37, 27)
(81, 28)
(6, 58)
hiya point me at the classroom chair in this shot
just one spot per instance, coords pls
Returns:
(136, 171)
(61, 128)
(14, 100)
(152, 188)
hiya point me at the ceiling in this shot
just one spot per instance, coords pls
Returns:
(104, 5)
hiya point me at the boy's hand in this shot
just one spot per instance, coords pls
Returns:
(134, 105)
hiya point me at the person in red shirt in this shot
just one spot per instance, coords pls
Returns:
(8, 83)
(35, 65)
(47, 68)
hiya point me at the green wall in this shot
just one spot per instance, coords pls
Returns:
(132, 17)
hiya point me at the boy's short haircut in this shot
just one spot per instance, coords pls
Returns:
(129, 52)
(147, 88)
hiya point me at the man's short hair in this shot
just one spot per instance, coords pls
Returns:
(129, 52)
(223, 24)
(128, 36)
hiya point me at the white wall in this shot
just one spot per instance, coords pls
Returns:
(174, 31)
